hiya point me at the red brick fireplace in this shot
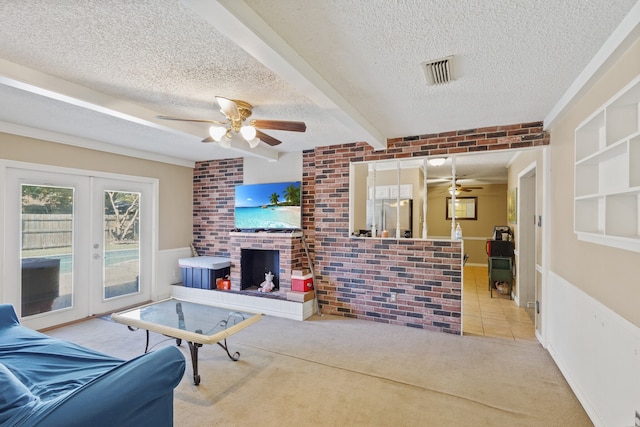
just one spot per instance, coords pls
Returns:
(290, 251)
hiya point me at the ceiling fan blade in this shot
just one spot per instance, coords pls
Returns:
(191, 120)
(208, 139)
(280, 125)
(228, 107)
(267, 139)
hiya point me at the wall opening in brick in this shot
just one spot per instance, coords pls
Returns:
(254, 264)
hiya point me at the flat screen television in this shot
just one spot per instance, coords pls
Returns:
(273, 206)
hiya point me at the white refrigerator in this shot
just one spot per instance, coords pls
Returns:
(387, 212)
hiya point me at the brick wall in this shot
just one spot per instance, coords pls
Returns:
(213, 204)
(356, 277)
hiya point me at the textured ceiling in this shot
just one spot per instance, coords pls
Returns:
(96, 73)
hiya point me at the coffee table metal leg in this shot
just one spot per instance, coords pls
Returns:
(235, 356)
(146, 346)
(193, 348)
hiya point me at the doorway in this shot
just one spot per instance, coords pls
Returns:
(75, 245)
(527, 241)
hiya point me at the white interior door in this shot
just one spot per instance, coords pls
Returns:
(75, 245)
(527, 241)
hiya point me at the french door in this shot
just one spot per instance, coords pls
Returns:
(76, 245)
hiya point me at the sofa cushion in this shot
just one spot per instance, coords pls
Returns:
(50, 367)
(15, 398)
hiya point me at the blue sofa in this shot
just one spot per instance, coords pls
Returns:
(49, 382)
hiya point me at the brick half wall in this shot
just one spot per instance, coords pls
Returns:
(415, 283)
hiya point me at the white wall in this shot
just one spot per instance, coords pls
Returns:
(597, 351)
(591, 296)
(287, 168)
(168, 272)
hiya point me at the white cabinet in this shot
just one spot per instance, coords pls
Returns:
(382, 191)
(391, 191)
(406, 191)
(607, 172)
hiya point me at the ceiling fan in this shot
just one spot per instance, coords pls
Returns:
(236, 113)
(463, 189)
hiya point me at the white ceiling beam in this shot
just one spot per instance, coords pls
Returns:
(238, 144)
(29, 80)
(239, 23)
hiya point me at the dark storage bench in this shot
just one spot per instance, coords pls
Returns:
(203, 271)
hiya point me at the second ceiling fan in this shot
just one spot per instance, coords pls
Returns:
(464, 188)
(236, 113)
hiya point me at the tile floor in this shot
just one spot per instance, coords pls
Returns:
(492, 317)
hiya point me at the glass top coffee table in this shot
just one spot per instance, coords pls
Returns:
(197, 324)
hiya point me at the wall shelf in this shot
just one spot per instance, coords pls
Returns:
(607, 172)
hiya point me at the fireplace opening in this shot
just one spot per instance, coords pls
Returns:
(254, 264)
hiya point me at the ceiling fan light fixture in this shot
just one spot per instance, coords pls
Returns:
(225, 143)
(437, 161)
(217, 132)
(236, 113)
(248, 133)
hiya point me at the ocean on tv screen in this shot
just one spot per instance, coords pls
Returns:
(267, 217)
(268, 206)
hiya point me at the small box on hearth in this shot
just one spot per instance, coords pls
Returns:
(302, 283)
(300, 296)
(203, 271)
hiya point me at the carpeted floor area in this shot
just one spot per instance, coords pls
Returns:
(334, 371)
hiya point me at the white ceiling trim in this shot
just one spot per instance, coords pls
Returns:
(30, 132)
(620, 40)
(243, 26)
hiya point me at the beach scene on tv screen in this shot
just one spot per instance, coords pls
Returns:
(268, 206)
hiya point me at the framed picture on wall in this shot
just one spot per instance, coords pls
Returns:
(466, 208)
(512, 206)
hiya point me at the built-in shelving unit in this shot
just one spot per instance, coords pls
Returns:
(607, 172)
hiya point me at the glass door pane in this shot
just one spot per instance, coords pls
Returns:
(121, 265)
(46, 248)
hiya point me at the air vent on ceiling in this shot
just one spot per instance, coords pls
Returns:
(439, 71)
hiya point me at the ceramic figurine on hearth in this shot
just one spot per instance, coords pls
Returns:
(267, 285)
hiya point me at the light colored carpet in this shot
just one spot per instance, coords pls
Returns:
(334, 371)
